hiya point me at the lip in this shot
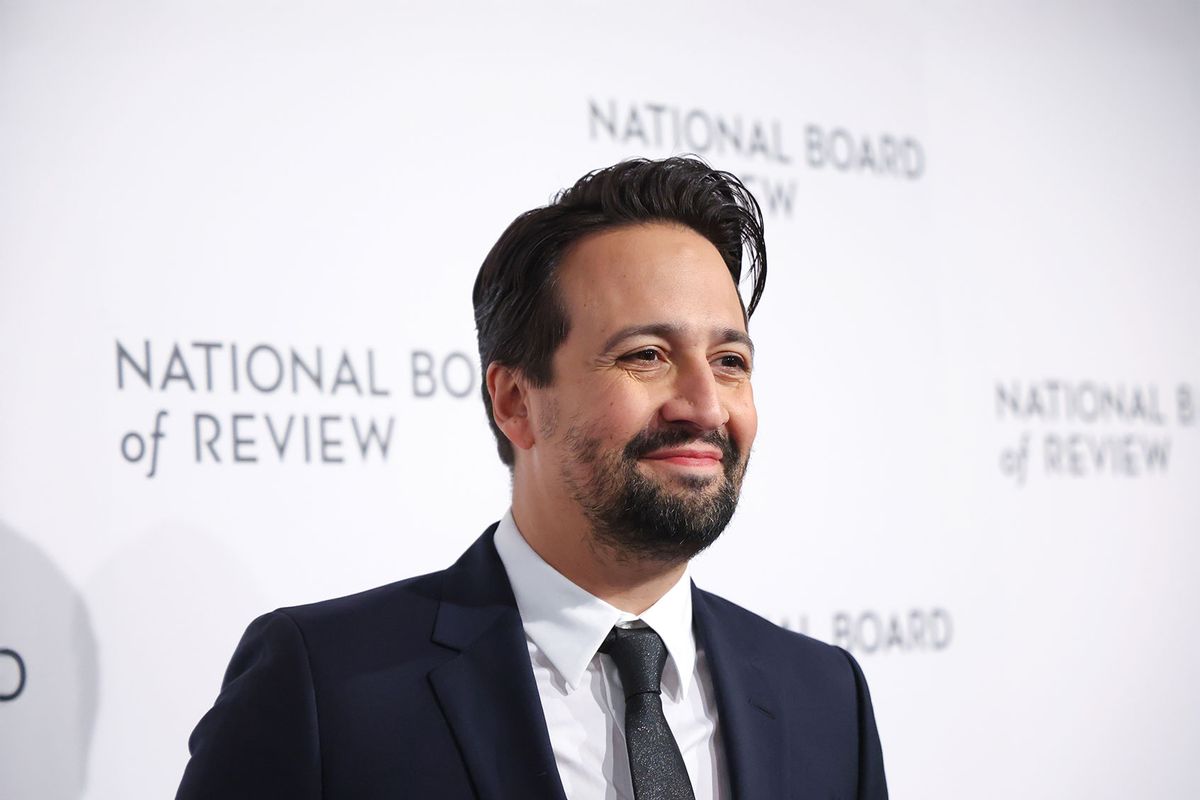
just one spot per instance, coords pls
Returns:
(687, 456)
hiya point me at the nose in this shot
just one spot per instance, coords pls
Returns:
(696, 399)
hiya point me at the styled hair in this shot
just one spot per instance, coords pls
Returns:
(519, 314)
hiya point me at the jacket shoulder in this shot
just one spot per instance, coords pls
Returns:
(819, 684)
(773, 642)
(398, 616)
(413, 599)
(410, 592)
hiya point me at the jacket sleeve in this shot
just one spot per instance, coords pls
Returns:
(872, 784)
(260, 740)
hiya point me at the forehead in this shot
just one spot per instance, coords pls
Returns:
(646, 274)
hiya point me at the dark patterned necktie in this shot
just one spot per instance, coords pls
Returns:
(654, 761)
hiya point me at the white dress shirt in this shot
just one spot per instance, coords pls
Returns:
(581, 691)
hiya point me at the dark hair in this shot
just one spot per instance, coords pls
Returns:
(519, 316)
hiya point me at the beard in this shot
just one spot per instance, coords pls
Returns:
(643, 518)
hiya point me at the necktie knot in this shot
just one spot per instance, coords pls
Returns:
(640, 655)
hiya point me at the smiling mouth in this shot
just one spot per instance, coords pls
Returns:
(687, 457)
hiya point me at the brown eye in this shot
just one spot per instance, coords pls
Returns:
(649, 354)
(731, 361)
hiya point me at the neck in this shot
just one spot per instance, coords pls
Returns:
(565, 542)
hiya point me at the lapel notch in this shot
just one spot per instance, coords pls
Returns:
(751, 730)
(487, 691)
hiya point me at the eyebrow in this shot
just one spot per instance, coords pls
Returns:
(667, 330)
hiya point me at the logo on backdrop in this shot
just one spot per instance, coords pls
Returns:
(771, 153)
(316, 405)
(871, 632)
(12, 681)
(1089, 429)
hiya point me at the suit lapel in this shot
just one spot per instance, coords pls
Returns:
(750, 726)
(487, 691)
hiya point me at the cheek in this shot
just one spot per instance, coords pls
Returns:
(618, 399)
(607, 414)
(622, 416)
(743, 421)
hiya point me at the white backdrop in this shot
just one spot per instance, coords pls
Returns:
(978, 464)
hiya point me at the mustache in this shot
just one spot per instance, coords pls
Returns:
(650, 440)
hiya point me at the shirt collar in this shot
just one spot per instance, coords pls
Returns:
(568, 624)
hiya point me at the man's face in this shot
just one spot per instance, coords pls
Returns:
(648, 422)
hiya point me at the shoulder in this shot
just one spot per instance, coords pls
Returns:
(409, 595)
(818, 688)
(396, 622)
(477, 577)
(753, 627)
(775, 646)
(398, 614)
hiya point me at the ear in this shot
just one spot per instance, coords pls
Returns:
(510, 404)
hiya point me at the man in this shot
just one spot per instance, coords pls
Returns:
(566, 654)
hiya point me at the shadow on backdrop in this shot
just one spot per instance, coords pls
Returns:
(49, 676)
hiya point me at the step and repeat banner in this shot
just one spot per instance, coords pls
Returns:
(237, 244)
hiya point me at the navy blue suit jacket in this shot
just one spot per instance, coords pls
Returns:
(423, 689)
